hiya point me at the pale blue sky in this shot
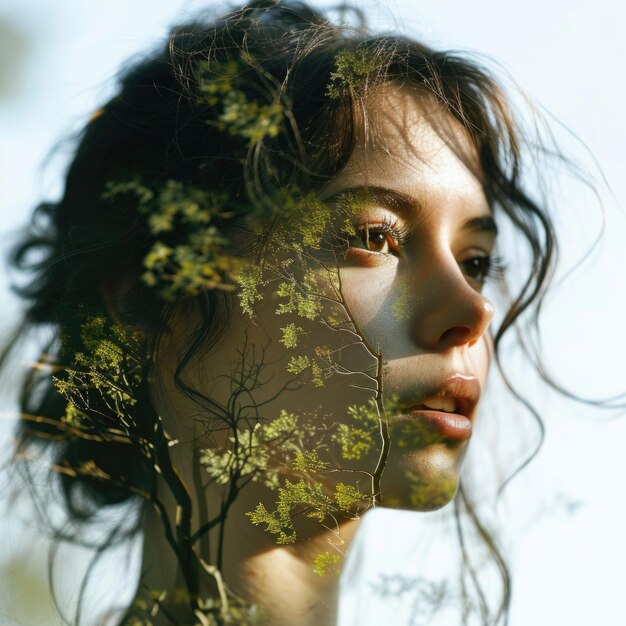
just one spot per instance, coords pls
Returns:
(569, 56)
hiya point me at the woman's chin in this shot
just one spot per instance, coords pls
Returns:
(422, 480)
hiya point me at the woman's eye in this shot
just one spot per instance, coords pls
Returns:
(380, 238)
(375, 240)
(480, 268)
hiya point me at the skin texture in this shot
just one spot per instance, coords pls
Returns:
(418, 297)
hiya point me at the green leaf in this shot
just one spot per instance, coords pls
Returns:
(308, 461)
(249, 281)
(347, 496)
(291, 333)
(353, 70)
(326, 563)
(297, 364)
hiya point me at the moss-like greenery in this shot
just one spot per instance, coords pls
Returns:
(181, 266)
(105, 371)
(357, 436)
(222, 85)
(353, 71)
(326, 563)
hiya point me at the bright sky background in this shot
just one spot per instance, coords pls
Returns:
(565, 513)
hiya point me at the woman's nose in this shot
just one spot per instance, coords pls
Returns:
(451, 312)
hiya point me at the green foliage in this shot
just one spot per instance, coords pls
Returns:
(283, 529)
(430, 493)
(310, 495)
(248, 118)
(326, 563)
(183, 204)
(303, 220)
(300, 297)
(132, 187)
(73, 415)
(355, 442)
(300, 363)
(222, 85)
(217, 80)
(350, 204)
(285, 424)
(302, 496)
(353, 70)
(414, 435)
(297, 364)
(358, 436)
(317, 374)
(312, 220)
(257, 453)
(347, 496)
(106, 372)
(291, 333)
(294, 225)
(246, 457)
(249, 280)
(189, 254)
(366, 414)
(308, 461)
(307, 496)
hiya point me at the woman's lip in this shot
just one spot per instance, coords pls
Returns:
(456, 425)
(445, 425)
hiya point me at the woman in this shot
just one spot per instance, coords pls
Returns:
(265, 279)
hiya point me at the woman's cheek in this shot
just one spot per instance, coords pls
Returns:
(367, 289)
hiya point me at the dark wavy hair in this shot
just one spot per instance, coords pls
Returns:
(88, 253)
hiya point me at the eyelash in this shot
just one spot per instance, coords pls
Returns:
(399, 234)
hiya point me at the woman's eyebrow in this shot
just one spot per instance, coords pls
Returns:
(398, 202)
(482, 224)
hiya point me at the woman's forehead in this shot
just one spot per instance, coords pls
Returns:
(409, 142)
(404, 117)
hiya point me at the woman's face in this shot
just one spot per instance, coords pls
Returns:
(411, 275)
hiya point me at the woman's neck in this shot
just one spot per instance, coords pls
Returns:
(280, 580)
